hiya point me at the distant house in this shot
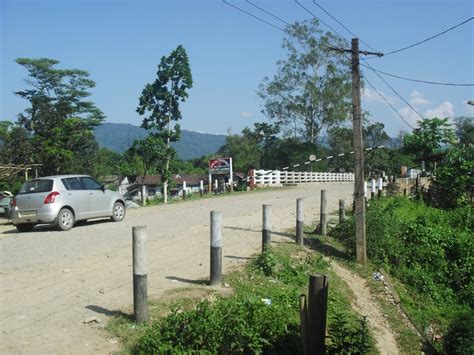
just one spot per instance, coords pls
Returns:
(151, 186)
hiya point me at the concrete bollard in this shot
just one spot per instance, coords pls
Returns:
(216, 248)
(323, 213)
(201, 188)
(266, 226)
(372, 188)
(342, 211)
(299, 220)
(216, 186)
(380, 187)
(184, 190)
(140, 283)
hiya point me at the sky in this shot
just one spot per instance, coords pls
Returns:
(120, 43)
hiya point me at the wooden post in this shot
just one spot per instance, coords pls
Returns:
(323, 213)
(201, 188)
(380, 187)
(140, 284)
(299, 220)
(317, 313)
(266, 226)
(216, 248)
(342, 211)
(304, 323)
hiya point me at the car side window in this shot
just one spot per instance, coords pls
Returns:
(72, 184)
(90, 184)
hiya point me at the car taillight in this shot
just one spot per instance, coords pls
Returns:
(13, 202)
(51, 197)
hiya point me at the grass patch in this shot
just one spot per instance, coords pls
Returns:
(262, 314)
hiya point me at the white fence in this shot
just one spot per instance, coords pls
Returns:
(275, 177)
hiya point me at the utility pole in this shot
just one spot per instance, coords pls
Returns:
(359, 198)
(361, 243)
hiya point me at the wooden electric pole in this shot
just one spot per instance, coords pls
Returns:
(359, 198)
(361, 243)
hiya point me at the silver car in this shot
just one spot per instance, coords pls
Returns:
(63, 200)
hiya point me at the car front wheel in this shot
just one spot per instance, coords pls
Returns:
(65, 220)
(118, 213)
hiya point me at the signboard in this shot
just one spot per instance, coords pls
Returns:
(220, 166)
(312, 157)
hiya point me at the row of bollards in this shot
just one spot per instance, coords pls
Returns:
(140, 286)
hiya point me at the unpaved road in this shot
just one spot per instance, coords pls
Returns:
(50, 281)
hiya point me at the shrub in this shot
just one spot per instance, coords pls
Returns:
(459, 339)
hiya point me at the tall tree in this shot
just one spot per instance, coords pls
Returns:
(465, 129)
(160, 101)
(311, 90)
(431, 135)
(59, 119)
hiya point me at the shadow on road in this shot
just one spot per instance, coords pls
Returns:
(109, 313)
(188, 281)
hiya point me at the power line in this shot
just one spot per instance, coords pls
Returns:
(429, 38)
(324, 23)
(339, 22)
(252, 15)
(394, 91)
(268, 12)
(415, 80)
(388, 103)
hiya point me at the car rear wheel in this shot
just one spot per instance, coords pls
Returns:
(118, 212)
(25, 227)
(65, 219)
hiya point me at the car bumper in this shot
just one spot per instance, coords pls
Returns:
(44, 215)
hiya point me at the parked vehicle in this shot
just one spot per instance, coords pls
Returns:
(5, 203)
(63, 200)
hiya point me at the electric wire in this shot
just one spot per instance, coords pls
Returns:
(252, 15)
(415, 80)
(344, 26)
(427, 39)
(324, 23)
(268, 12)
(388, 103)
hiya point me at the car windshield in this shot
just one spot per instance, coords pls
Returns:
(35, 186)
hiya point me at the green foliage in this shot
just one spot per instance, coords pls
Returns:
(59, 120)
(465, 129)
(428, 249)
(454, 180)
(347, 339)
(262, 316)
(429, 138)
(244, 149)
(459, 339)
(311, 90)
(153, 153)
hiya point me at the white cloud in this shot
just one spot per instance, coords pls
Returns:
(445, 109)
(246, 114)
(418, 99)
(370, 95)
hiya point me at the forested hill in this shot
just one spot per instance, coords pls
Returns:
(119, 137)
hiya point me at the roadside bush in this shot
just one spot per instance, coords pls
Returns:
(459, 339)
(262, 316)
(430, 249)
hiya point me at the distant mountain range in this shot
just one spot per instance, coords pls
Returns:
(120, 136)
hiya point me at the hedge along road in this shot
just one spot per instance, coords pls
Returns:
(51, 282)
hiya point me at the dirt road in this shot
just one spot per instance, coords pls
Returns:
(50, 281)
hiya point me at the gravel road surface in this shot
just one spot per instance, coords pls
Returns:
(51, 281)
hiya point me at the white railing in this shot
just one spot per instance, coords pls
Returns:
(274, 177)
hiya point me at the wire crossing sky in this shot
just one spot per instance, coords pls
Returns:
(120, 42)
